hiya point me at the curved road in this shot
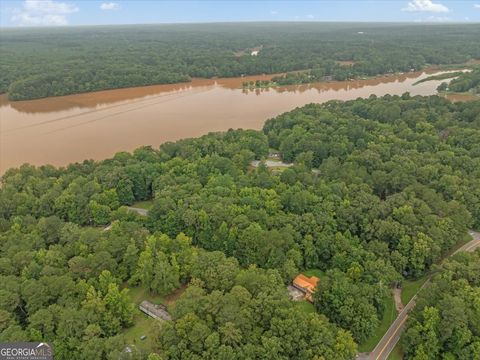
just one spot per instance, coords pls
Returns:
(391, 337)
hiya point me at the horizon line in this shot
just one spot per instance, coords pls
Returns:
(411, 22)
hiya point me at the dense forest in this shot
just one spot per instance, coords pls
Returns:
(51, 62)
(446, 321)
(380, 190)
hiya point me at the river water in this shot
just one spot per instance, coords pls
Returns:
(72, 128)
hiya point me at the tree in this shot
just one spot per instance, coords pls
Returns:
(350, 305)
(166, 275)
(125, 192)
(145, 268)
(215, 270)
(119, 304)
(130, 259)
(100, 213)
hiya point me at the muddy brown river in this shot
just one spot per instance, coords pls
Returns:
(72, 128)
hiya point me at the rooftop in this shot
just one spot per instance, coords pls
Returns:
(306, 283)
(158, 312)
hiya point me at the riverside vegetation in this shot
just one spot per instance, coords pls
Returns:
(465, 83)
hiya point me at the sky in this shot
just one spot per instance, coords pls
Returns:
(91, 12)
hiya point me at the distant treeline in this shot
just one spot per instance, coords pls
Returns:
(51, 62)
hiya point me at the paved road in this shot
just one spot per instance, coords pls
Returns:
(278, 164)
(391, 337)
(271, 163)
(139, 211)
(472, 245)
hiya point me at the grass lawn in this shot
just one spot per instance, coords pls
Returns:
(396, 354)
(139, 293)
(142, 323)
(145, 204)
(277, 169)
(389, 315)
(306, 306)
(313, 272)
(410, 288)
(142, 326)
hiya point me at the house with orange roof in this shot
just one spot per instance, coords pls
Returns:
(306, 285)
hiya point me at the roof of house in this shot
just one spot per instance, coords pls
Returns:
(154, 310)
(305, 282)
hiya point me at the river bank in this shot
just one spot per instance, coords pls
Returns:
(65, 129)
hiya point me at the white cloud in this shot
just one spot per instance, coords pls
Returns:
(425, 6)
(49, 7)
(477, 6)
(25, 19)
(42, 13)
(109, 6)
(309, 16)
(273, 12)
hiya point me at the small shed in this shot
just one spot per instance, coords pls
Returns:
(158, 312)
